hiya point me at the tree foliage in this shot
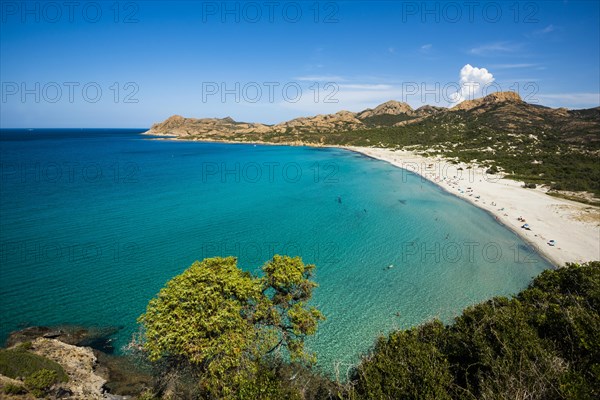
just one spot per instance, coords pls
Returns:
(221, 322)
(542, 344)
(407, 365)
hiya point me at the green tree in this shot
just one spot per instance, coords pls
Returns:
(406, 365)
(543, 343)
(221, 322)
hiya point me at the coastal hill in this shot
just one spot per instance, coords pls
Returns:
(530, 142)
(177, 125)
(498, 97)
(510, 112)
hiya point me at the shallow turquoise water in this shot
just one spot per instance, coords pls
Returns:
(94, 222)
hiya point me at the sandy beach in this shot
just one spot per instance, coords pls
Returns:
(574, 227)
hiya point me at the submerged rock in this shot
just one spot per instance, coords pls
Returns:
(53, 334)
(94, 337)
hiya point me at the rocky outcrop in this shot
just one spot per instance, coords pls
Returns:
(428, 110)
(177, 125)
(93, 373)
(78, 362)
(345, 120)
(220, 128)
(490, 99)
(391, 107)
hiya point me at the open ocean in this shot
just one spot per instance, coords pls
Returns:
(94, 222)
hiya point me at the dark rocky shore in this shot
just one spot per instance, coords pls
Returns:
(87, 357)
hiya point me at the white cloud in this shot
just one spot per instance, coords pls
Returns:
(569, 100)
(507, 83)
(320, 78)
(494, 48)
(546, 30)
(351, 96)
(473, 81)
(511, 66)
(426, 47)
(365, 86)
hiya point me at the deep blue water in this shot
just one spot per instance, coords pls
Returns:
(94, 222)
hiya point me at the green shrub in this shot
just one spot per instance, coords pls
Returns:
(18, 362)
(39, 382)
(496, 353)
(25, 346)
(14, 389)
(542, 344)
(147, 395)
(407, 365)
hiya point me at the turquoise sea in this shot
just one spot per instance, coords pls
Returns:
(94, 222)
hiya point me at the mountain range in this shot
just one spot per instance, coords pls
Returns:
(502, 111)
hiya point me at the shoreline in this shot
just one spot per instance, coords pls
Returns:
(575, 227)
(550, 218)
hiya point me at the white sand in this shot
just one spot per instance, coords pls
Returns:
(573, 226)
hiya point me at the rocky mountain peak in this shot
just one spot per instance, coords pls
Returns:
(502, 96)
(391, 107)
(497, 97)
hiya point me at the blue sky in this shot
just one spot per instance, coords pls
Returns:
(133, 63)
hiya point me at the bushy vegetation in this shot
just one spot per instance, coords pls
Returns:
(14, 389)
(38, 373)
(542, 344)
(216, 326)
(19, 363)
(407, 364)
(39, 382)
